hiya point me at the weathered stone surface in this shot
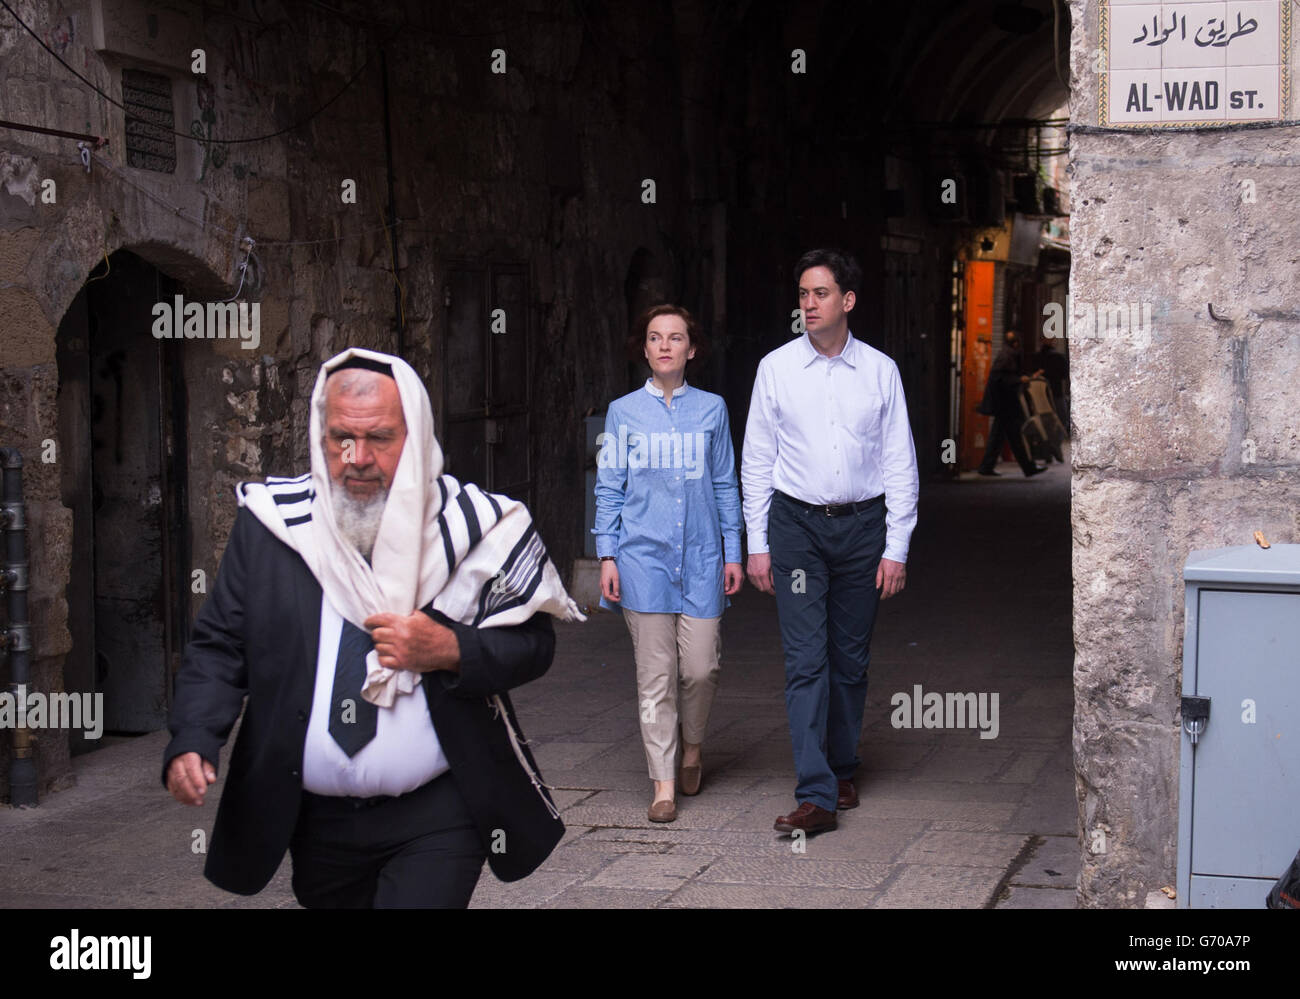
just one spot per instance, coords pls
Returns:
(28, 336)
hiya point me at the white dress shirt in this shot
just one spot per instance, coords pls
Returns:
(404, 754)
(829, 430)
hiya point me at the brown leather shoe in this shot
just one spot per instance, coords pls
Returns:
(848, 795)
(663, 811)
(808, 817)
(688, 779)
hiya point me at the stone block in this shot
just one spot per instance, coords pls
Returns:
(29, 337)
(658, 872)
(927, 887)
(268, 208)
(1271, 435)
(1160, 408)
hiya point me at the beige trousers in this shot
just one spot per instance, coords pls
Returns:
(673, 653)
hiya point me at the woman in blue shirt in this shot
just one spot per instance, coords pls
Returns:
(668, 536)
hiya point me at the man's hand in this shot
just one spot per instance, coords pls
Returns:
(188, 777)
(609, 580)
(732, 578)
(759, 568)
(415, 642)
(890, 577)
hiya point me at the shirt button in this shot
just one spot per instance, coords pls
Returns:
(679, 499)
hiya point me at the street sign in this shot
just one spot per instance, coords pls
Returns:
(1198, 63)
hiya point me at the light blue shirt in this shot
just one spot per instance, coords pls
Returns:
(667, 504)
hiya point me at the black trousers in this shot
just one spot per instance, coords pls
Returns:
(420, 850)
(1006, 427)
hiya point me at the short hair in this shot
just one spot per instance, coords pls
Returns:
(641, 329)
(844, 266)
(352, 379)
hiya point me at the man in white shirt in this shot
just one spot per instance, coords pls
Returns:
(830, 484)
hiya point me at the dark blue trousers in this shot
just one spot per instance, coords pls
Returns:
(824, 570)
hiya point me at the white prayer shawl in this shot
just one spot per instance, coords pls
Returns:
(476, 556)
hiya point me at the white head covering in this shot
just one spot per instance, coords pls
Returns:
(474, 556)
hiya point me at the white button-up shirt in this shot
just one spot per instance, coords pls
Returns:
(829, 430)
(404, 754)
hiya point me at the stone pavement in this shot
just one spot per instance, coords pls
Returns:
(947, 819)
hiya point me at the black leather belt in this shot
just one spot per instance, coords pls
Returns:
(343, 802)
(834, 510)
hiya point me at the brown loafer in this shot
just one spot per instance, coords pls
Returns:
(807, 817)
(688, 779)
(848, 795)
(663, 811)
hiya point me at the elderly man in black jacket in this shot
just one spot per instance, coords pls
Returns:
(368, 619)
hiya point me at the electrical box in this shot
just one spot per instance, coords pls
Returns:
(1239, 767)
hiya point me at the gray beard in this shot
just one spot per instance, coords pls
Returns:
(358, 519)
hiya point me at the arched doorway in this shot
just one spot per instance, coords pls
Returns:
(122, 420)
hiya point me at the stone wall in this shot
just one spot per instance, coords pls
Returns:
(542, 165)
(1185, 437)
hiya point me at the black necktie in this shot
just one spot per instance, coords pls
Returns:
(353, 723)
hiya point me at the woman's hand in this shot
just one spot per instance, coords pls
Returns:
(609, 580)
(733, 577)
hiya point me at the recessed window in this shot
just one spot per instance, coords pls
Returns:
(150, 142)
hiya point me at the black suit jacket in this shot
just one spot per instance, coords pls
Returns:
(257, 637)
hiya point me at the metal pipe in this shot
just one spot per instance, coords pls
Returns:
(98, 140)
(17, 633)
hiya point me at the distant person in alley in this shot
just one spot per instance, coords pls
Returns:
(668, 537)
(830, 488)
(368, 619)
(1002, 402)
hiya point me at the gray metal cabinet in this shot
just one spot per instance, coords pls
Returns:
(1239, 780)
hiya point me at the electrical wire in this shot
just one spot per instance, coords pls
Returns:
(392, 256)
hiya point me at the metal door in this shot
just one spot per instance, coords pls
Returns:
(486, 378)
(1247, 761)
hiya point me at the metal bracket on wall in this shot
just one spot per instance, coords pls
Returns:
(1196, 716)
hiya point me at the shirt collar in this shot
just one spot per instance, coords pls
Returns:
(654, 390)
(848, 354)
